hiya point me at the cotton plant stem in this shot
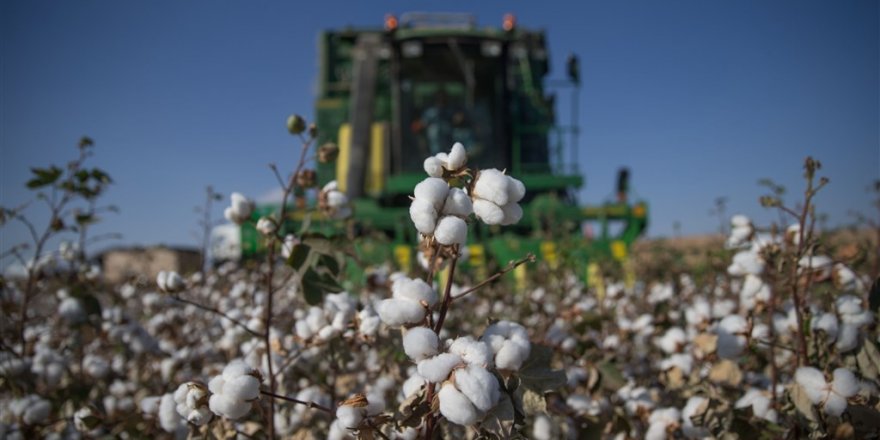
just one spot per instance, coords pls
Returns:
(529, 258)
(219, 313)
(309, 404)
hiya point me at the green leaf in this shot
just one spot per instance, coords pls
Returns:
(612, 379)
(500, 420)
(311, 286)
(44, 176)
(536, 374)
(101, 176)
(329, 262)
(874, 297)
(298, 256)
(84, 219)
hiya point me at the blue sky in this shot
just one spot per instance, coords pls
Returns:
(699, 99)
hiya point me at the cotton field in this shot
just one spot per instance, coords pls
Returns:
(775, 336)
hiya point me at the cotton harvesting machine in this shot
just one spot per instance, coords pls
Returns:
(390, 97)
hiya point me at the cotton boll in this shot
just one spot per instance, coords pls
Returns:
(730, 332)
(414, 289)
(479, 385)
(242, 388)
(845, 383)
(512, 213)
(813, 383)
(169, 420)
(457, 157)
(349, 416)
(847, 338)
(542, 428)
(433, 167)
(515, 190)
(511, 356)
(827, 323)
(492, 186)
(740, 221)
(488, 212)
(420, 343)
(397, 312)
(235, 369)
(437, 368)
(225, 406)
(672, 341)
(412, 385)
(423, 215)
(760, 403)
(746, 262)
(458, 203)
(266, 226)
(432, 190)
(471, 351)
(456, 407)
(451, 230)
(694, 406)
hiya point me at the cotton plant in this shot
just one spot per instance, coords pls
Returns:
(830, 396)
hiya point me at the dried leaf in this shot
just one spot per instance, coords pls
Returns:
(536, 374)
(803, 403)
(726, 373)
(500, 421)
(706, 344)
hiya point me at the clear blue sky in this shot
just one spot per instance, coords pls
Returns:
(699, 98)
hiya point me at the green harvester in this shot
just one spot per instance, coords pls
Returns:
(390, 97)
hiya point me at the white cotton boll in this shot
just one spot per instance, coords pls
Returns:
(423, 215)
(848, 305)
(215, 385)
(457, 157)
(242, 388)
(458, 203)
(350, 416)
(511, 356)
(682, 361)
(433, 167)
(844, 277)
(168, 417)
(451, 230)
(239, 210)
(37, 410)
(740, 221)
(479, 385)
(845, 383)
(730, 332)
(230, 408)
(72, 311)
(471, 351)
(432, 190)
(420, 343)
(488, 212)
(412, 385)
(515, 191)
(199, 416)
(847, 337)
(266, 226)
(542, 429)
(437, 368)
(813, 383)
(327, 333)
(235, 369)
(492, 185)
(746, 262)
(397, 312)
(336, 199)
(691, 408)
(826, 322)
(512, 213)
(456, 407)
(672, 341)
(414, 289)
(330, 186)
(760, 403)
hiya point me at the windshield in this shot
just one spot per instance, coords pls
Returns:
(450, 91)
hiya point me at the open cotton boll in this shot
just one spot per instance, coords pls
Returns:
(350, 416)
(695, 405)
(169, 420)
(457, 157)
(437, 368)
(659, 421)
(456, 407)
(826, 322)
(813, 383)
(672, 341)
(423, 216)
(235, 369)
(225, 406)
(420, 343)
(515, 191)
(479, 385)
(509, 342)
(413, 289)
(451, 230)
(458, 203)
(492, 185)
(740, 221)
(433, 167)
(266, 226)
(760, 403)
(746, 262)
(488, 212)
(395, 312)
(731, 341)
(242, 388)
(471, 351)
(512, 213)
(432, 190)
